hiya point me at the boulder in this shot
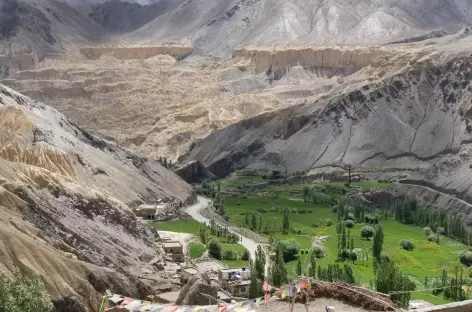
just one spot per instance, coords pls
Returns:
(198, 291)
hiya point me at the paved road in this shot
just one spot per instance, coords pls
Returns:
(249, 244)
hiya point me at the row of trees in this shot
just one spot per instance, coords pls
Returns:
(410, 211)
(215, 230)
(257, 274)
(450, 288)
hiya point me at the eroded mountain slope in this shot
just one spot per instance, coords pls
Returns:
(68, 193)
(215, 28)
(405, 118)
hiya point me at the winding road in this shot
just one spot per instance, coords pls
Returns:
(249, 244)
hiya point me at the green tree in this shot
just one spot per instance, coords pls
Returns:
(388, 278)
(23, 294)
(312, 271)
(246, 219)
(165, 162)
(254, 223)
(221, 208)
(306, 194)
(260, 262)
(255, 288)
(286, 222)
(367, 232)
(299, 267)
(279, 270)
(377, 243)
(214, 248)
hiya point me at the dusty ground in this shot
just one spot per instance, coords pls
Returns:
(318, 306)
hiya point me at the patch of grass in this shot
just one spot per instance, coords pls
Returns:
(186, 225)
(196, 250)
(235, 263)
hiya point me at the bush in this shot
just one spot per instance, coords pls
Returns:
(466, 258)
(350, 216)
(432, 237)
(214, 247)
(290, 249)
(469, 271)
(440, 230)
(349, 224)
(318, 252)
(294, 210)
(384, 258)
(246, 255)
(427, 231)
(353, 256)
(407, 244)
(328, 222)
(230, 255)
(315, 225)
(367, 232)
(345, 254)
(24, 294)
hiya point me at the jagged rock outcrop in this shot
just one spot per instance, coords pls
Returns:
(64, 196)
(194, 172)
(197, 291)
(136, 52)
(326, 61)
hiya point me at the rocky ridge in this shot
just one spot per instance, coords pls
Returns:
(64, 205)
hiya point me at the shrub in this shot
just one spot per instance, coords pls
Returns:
(353, 256)
(318, 252)
(407, 244)
(246, 255)
(350, 216)
(427, 231)
(384, 258)
(230, 255)
(345, 254)
(349, 224)
(367, 232)
(466, 258)
(290, 249)
(315, 225)
(440, 230)
(469, 271)
(328, 222)
(24, 294)
(214, 247)
(432, 237)
(294, 210)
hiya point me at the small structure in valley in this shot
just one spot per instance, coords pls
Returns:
(175, 249)
(235, 281)
(149, 212)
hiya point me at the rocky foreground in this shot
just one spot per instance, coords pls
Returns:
(65, 200)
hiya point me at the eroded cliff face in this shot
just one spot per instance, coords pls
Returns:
(326, 61)
(136, 52)
(64, 198)
(405, 118)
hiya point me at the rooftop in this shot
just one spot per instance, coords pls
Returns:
(172, 245)
(190, 270)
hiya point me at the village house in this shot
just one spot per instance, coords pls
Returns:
(226, 275)
(175, 249)
(149, 212)
(239, 288)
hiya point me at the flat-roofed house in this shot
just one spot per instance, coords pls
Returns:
(175, 249)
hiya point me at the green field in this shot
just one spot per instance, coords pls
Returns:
(196, 250)
(426, 260)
